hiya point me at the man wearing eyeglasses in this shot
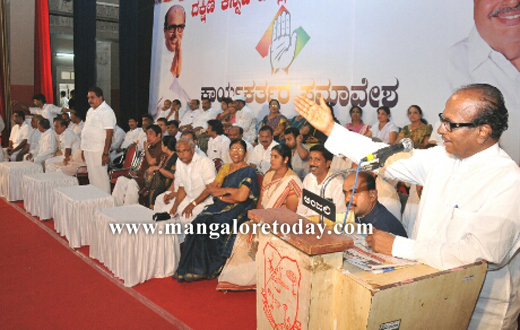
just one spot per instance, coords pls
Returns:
(469, 210)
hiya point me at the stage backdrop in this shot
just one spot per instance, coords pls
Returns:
(368, 53)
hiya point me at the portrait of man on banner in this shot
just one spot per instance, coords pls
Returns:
(164, 82)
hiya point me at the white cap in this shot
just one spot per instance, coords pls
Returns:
(239, 98)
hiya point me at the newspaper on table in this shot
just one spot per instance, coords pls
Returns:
(362, 256)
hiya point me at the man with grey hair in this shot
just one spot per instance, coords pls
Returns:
(192, 175)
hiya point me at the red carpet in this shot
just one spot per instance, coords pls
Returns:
(46, 285)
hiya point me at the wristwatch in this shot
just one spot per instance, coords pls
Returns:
(194, 203)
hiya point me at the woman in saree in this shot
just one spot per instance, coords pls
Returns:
(235, 191)
(158, 178)
(275, 120)
(281, 187)
(418, 131)
(357, 125)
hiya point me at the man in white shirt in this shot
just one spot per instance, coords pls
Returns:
(218, 144)
(189, 116)
(20, 133)
(64, 101)
(34, 138)
(193, 174)
(300, 153)
(491, 54)
(261, 155)
(76, 123)
(245, 118)
(166, 110)
(47, 146)
(49, 111)
(319, 165)
(172, 127)
(68, 143)
(236, 132)
(96, 138)
(200, 123)
(130, 137)
(117, 138)
(191, 135)
(469, 208)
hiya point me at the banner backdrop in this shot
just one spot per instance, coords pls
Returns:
(368, 53)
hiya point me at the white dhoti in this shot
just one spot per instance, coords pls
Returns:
(71, 168)
(51, 161)
(97, 173)
(160, 206)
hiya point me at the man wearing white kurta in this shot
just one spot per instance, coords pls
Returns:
(20, 133)
(320, 160)
(218, 144)
(69, 143)
(117, 139)
(245, 118)
(47, 145)
(130, 137)
(48, 111)
(261, 155)
(96, 138)
(34, 137)
(469, 208)
(193, 173)
(76, 124)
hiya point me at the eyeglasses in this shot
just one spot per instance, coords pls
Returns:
(449, 126)
(179, 28)
(237, 149)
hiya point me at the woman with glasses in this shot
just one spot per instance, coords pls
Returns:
(419, 130)
(384, 130)
(275, 120)
(235, 191)
(357, 125)
(281, 187)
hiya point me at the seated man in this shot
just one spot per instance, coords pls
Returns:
(34, 136)
(161, 122)
(69, 143)
(366, 206)
(77, 123)
(261, 155)
(300, 152)
(117, 138)
(189, 134)
(47, 146)
(126, 191)
(147, 120)
(218, 144)
(193, 174)
(20, 133)
(130, 137)
(319, 165)
(172, 127)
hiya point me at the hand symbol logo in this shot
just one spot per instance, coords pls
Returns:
(283, 43)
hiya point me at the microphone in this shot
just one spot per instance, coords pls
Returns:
(382, 154)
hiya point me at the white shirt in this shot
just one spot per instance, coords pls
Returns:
(219, 148)
(472, 60)
(299, 166)
(131, 136)
(201, 120)
(246, 119)
(384, 134)
(77, 128)
(469, 211)
(117, 138)
(141, 137)
(195, 176)
(64, 102)
(48, 145)
(33, 140)
(69, 139)
(333, 191)
(97, 122)
(19, 133)
(262, 157)
(48, 111)
(188, 117)
(164, 114)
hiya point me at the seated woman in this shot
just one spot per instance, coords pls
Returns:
(281, 187)
(385, 130)
(357, 125)
(159, 177)
(418, 131)
(235, 191)
(275, 119)
(229, 118)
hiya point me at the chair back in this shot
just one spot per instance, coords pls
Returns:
(218, 163)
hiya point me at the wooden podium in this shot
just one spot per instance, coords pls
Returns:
(302, 283)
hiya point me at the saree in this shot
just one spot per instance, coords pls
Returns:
(203, 255)
(360, 128)
(160, 183)
(274, 193)
(275, 122)
(417, 135)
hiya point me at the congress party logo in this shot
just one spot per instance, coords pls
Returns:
(281, 43)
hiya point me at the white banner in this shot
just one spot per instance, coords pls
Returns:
(367, 53)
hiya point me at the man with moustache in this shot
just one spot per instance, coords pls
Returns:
(96, 138)
(319, 165)
(367, 208)
(68, 145)
(491, 54)
(130, 137)
(261, 155)
(469, 208)
(300, 153)
(20, 134)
